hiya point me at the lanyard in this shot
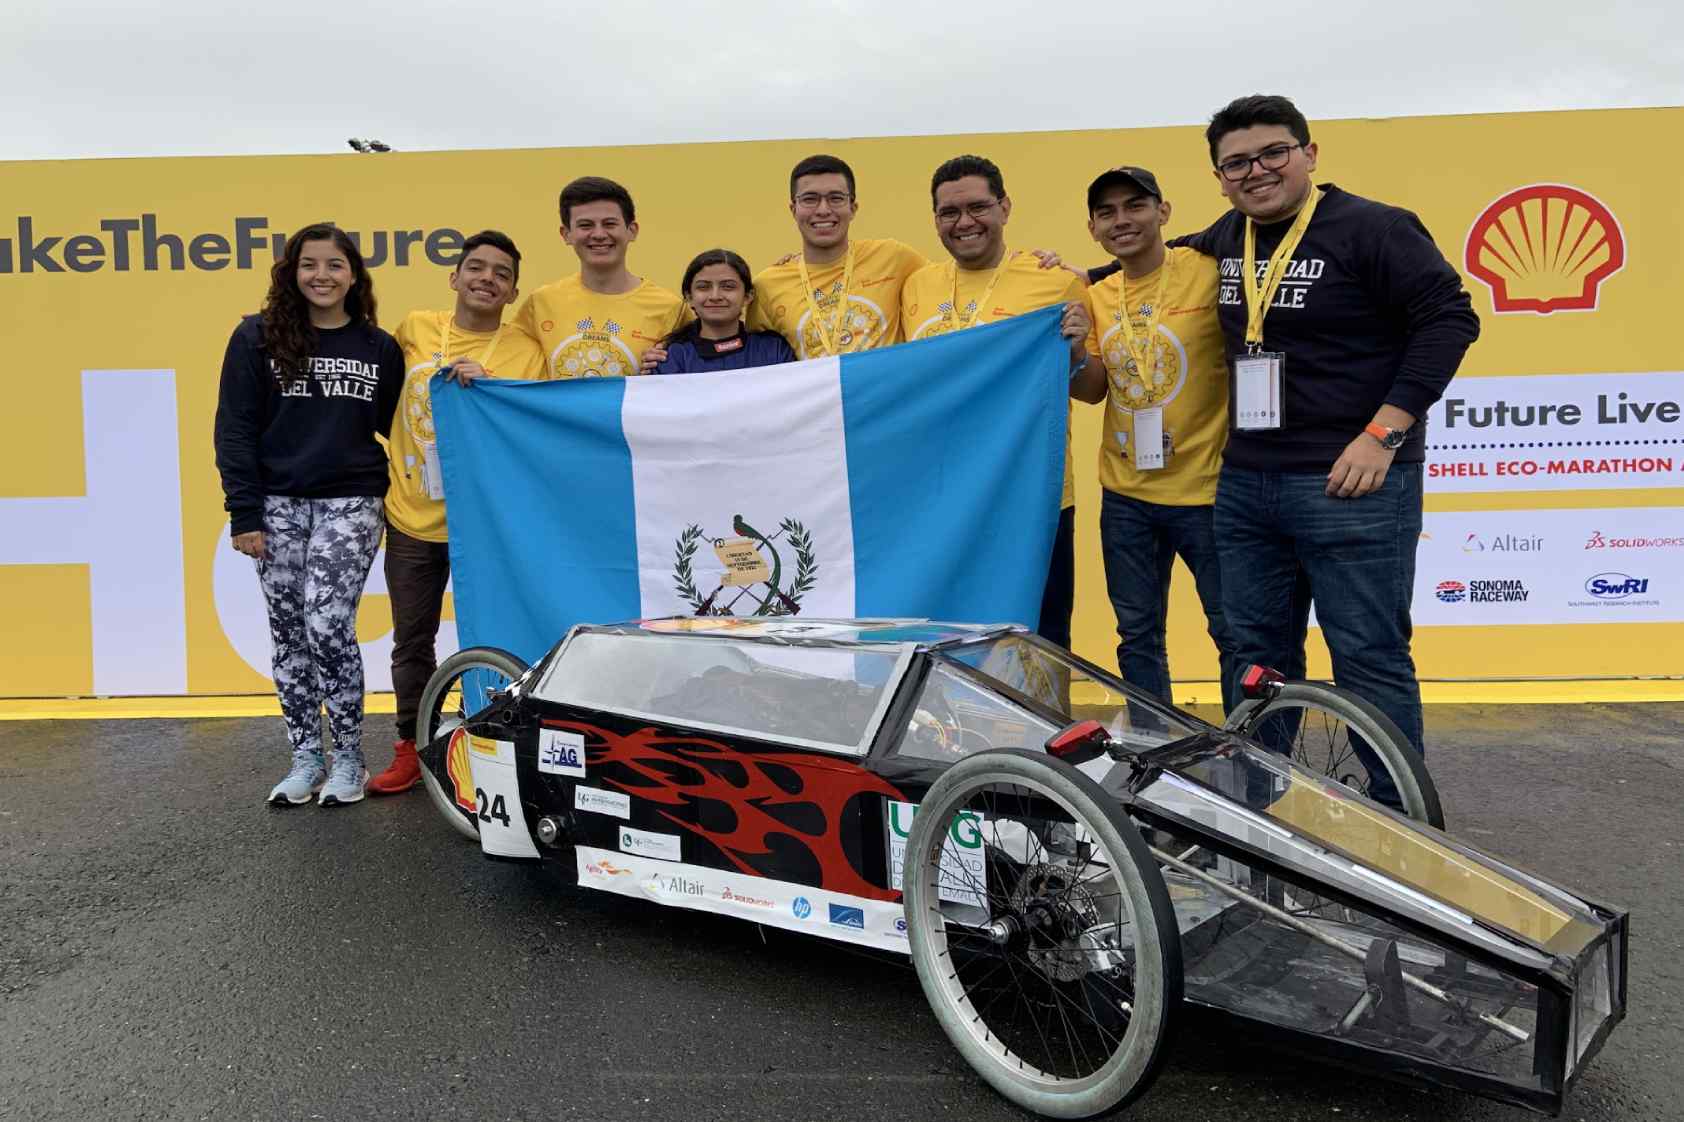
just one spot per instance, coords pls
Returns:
(959, 321)
(1259, 294)
(828, 328)
(444, 346)
(1154, 313)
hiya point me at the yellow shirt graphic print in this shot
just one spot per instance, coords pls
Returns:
(585, 334)
(1182, 369)
(411, 453)
(871, 317)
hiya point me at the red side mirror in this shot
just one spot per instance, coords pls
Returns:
(1082, 734)
(1259, 681)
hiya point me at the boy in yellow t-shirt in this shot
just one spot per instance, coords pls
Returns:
(468, 342)
(837, 295)
(1162, 372)
(985, 282)
(599, 321)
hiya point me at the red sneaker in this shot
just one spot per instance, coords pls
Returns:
(404, 773)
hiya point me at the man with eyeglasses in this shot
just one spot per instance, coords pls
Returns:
(985, 282)
(1344, 323)
(837, 295)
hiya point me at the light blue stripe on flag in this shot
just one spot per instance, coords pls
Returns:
(956, 467)
(538, 485)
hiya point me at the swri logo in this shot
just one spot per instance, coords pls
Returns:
(1451, 591)
(844, 916)
(801, 907)
(1616, 586)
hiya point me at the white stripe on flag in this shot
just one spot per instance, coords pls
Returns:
(782, 468)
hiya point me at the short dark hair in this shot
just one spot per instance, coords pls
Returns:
(1256, 109)
(496, 239)
(821, 165)
(595, 189)
(961, 166)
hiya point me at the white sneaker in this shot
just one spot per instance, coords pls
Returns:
(300, 784)
(346, 782)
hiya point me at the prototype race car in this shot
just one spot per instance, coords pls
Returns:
(1066, 860)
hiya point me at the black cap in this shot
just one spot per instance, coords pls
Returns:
(1124, 177)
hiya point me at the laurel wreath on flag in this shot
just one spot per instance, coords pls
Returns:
(683, 574)
(806, 564)
(800, 540)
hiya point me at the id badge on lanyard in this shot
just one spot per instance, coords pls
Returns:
(1149, 438)
(1257, 390)
(432, 480)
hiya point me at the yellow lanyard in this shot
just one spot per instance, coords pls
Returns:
(444, 346)
(1154, 313)
(959, 320)
(828, 327)
(1259, 294)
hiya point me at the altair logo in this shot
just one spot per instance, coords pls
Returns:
(1616, 586)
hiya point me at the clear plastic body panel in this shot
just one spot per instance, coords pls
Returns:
(955, 716)
(814, 696)
(1328, 831)
(1041, 672)
(1304, 961)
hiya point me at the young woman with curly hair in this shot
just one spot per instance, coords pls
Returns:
(306, 386)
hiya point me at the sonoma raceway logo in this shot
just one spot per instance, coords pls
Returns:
(1500, 591)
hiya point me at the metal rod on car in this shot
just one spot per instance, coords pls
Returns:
(1339, 945)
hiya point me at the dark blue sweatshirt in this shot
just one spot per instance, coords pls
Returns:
(739, 352)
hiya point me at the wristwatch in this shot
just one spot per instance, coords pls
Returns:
(1390, 439)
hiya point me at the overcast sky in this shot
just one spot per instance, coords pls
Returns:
(206, 77)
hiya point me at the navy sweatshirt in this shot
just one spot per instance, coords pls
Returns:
(1370, 313)
(741, 351)
(310, 435)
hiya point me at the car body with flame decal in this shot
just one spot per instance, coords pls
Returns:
(1067, 861)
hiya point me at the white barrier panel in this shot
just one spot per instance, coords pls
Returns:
(1551, 566)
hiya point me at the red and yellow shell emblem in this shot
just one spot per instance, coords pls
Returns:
(461, 775)
(1545, 248)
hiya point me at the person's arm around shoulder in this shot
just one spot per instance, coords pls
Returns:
(1205, 241)
(1413, 284)
(239, 427)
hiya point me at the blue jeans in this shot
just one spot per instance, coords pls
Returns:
(1281, 537)
(1140, 542)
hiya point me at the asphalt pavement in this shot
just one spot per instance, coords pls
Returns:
(171, 948)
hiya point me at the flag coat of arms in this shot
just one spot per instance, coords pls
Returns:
(921, 480)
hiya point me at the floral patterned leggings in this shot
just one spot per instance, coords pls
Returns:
(318, 553)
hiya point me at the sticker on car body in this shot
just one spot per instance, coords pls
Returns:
(561, 752)
(662, 847)
(597, 801)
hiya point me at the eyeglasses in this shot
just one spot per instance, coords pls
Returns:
(810, 200)
(948, 215)
(1272, 158)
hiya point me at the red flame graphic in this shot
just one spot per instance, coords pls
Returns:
(826, 783)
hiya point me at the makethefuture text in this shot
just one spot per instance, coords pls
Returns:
(136, 244)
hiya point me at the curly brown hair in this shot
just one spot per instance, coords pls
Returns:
(288, 334)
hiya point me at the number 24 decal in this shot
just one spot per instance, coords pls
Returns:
(497, 809)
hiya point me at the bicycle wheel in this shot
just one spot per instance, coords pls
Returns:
(1335, 733)
(462, 685)
(1042, 933)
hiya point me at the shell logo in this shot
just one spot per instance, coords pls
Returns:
(1545, 248)
(461, 775)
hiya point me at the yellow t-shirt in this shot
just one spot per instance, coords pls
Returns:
(587, 334)
(926, 304)
(1187, 374)
(411, 457)
(881, 266)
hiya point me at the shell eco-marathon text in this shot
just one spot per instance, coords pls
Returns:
(136, 244)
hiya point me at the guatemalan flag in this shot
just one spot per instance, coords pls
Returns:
(921, 480)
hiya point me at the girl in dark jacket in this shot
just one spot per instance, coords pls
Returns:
(718, 286)
(306, 386)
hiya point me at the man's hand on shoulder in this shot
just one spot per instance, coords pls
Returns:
(652, 358)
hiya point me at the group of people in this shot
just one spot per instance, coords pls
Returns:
(1263, 383)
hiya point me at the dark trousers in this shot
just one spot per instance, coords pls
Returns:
(1140, 542)
(1279, 535)
(416, 573)
(1058, 598)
